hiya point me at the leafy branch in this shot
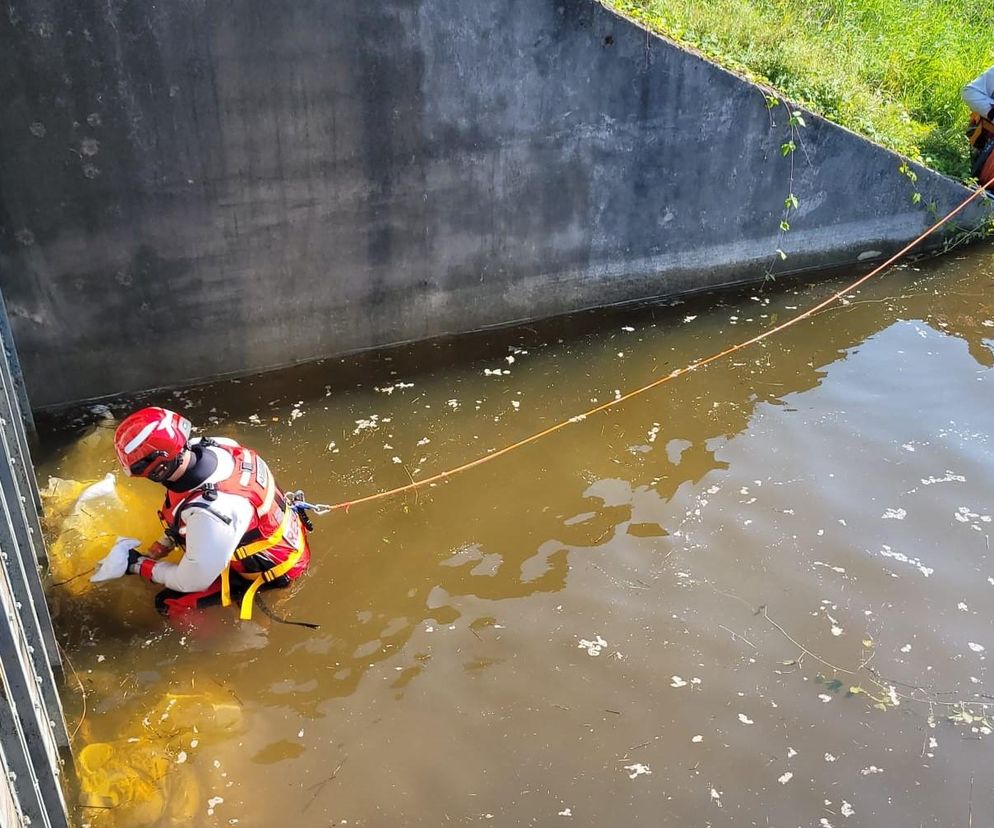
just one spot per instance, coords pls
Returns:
(795, 122)
(912, 176)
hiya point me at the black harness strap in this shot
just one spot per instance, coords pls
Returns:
(206, 507)
(281, 619)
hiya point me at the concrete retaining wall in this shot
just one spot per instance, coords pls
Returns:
(195, 189)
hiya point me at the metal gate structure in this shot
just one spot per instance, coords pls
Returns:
(32, 728)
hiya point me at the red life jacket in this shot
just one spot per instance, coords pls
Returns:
(274, 545)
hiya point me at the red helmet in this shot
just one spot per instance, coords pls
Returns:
(150, 442)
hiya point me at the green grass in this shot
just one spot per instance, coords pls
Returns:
(888, 69)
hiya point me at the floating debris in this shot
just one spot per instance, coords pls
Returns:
(951, 477)
(397, 386)
(593, 647)
(367, 424)
(887, 552)
(965, 515)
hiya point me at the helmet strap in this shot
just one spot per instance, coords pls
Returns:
(164, 471)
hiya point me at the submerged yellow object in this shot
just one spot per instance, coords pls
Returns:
(116, 774)
(205, 713)
(82, 521)
(148, 778)
(140, 781)
(89, 506)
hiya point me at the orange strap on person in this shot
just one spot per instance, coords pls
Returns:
(978, 127)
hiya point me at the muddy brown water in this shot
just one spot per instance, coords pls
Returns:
(652, 617)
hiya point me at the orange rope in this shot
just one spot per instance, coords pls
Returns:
(443, 475)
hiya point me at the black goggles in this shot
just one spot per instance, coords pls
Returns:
(158, 474)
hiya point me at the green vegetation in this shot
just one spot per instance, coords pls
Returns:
(888, 69)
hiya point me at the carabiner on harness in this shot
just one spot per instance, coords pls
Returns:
(299, 504)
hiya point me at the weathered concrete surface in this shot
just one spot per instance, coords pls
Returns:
(195, 189)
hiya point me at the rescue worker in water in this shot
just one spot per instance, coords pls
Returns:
(239, 532)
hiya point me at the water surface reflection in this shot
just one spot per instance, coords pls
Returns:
(597, 627)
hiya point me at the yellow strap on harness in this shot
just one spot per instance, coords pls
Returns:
(260, 578)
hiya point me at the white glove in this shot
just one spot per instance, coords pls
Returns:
(116, 562)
